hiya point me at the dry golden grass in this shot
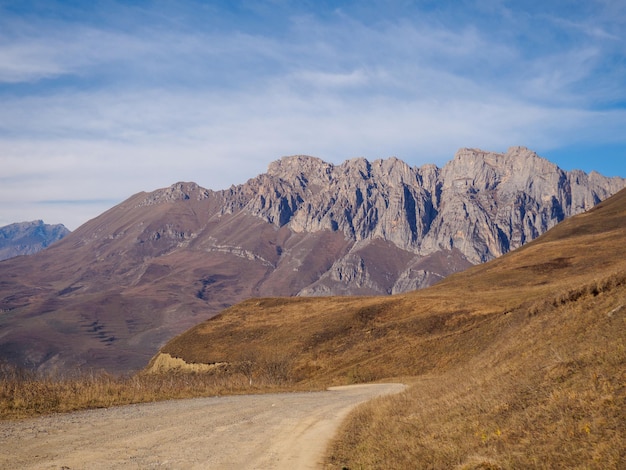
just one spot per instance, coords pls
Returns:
(25, 394)
(548, 392)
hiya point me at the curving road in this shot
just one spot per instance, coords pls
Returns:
(276, 431)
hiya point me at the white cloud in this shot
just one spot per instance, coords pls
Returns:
(320, 79)
(26, 62)
(145, 109)
(36, 52)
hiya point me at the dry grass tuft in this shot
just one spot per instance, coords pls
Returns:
(26, 394)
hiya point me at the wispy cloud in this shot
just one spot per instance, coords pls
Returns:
(35, 52)
(138, 98)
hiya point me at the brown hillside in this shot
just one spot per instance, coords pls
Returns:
(517, 363)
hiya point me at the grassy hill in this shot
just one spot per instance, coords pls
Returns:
(517, 363)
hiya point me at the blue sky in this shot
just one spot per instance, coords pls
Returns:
(103, 99)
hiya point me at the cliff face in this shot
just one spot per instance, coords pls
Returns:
(113, 291)
(493, 203)
(479, 206)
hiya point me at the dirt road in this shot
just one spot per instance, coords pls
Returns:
(277, 431)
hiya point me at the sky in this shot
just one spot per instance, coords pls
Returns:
(100, 100)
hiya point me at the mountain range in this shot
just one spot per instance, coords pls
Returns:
(112, 292)
(27, 238)
(519, 362)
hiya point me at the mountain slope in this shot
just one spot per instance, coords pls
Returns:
(388, 336)
(26, 238)
(109, 294)
(516, 363)
(540, 386)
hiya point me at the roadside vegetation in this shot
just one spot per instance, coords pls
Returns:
(26, 394)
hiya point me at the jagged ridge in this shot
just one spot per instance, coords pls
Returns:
(482, 204)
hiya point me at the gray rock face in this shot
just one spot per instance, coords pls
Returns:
(27, 238)
(482, 204)
(493, 203)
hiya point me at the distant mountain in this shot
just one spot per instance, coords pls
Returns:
(112, 292)
(27, 238)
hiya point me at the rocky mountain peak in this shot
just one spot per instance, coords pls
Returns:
(302, 167)
(483, 170)
(358, 167)
(395, 170)
(180, 191)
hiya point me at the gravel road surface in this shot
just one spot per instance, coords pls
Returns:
(277, 431)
